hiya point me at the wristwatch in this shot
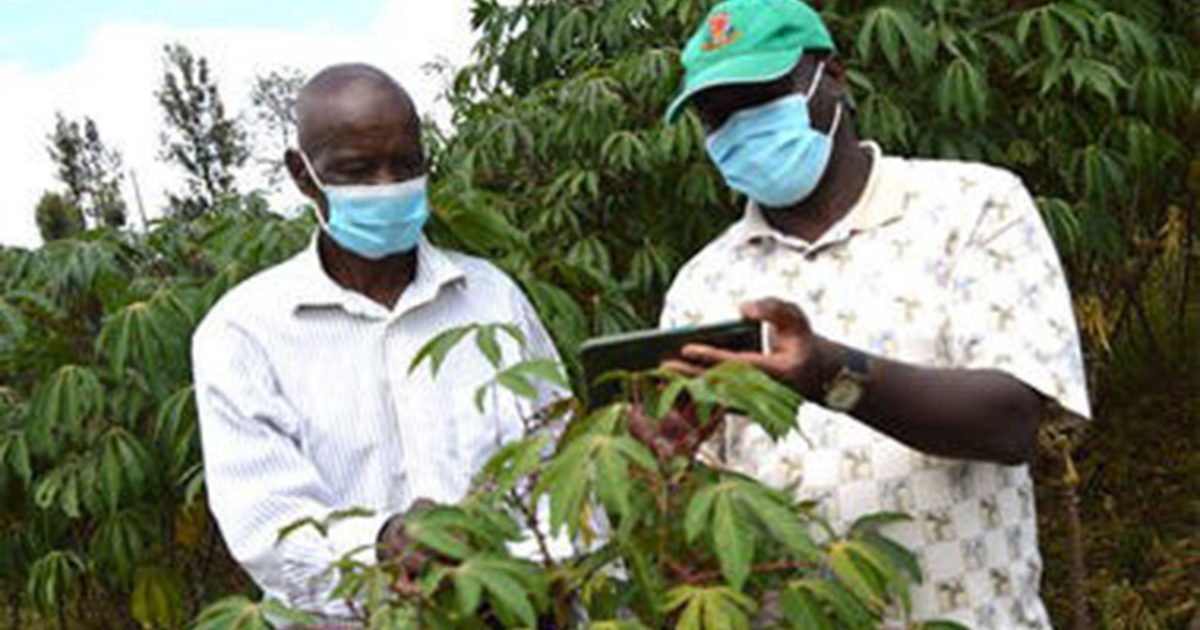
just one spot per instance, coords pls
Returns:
(845, 390)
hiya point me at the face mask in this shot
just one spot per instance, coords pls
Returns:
(771, 153)
(374, 221)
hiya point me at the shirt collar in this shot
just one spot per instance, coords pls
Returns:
(314, 289)
(870, 211)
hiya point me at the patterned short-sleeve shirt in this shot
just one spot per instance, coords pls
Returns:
(939, 264)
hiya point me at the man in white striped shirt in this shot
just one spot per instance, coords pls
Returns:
(305, 397)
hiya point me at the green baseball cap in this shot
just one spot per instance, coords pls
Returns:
(748, 41)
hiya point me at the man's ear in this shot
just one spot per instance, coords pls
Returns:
(835, 69)
(300, 175)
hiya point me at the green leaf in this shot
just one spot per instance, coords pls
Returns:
(617, 624)
(175, 430)
(942, 625)
(612, 480)
(696, 517)
(120, 542)
(546, 370)
(515, 461)
(60, 487)
(802, 610)
(897, 555)
(566, 478)
(232, 613)
(768, 403)
(732, 541)
(1048, 28)
(873, 522)
(444, 529)
(846, 604)
(885, 27)
(145, 336)
(669, 396)
(14, 452)
(468, 590)
(521, 378)
(124, 465)
(1133, 41)
(635, 452)
(157, 600)
(709, 607)
(436, 349)
(508, 593)
(780, 521)
(12, 322)
(63, 403)
(485, 340)
(594, 462)
(53, 578)
(962, 91)
(274, 609)
(516, 382)
(855, 576)
(867, 555)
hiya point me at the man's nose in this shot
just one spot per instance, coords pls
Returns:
(385, 174)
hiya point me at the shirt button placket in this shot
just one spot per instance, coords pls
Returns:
(392, 382)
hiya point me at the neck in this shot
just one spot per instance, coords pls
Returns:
(383, 280)
(845, 178)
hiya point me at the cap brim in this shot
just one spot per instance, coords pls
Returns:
(758, 68)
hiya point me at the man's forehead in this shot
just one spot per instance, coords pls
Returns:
(353, 109)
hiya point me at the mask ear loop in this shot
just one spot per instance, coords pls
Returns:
(812, 89)
(312, 172)
(837, 120)
(817, 76)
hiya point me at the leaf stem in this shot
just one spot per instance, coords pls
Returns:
(783, 566)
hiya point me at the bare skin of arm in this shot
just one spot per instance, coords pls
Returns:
(983, 415)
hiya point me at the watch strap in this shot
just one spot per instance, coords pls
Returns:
(857, 363)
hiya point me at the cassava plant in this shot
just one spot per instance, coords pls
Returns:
(660, 537)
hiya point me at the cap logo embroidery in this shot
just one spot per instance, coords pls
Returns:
(721, 32)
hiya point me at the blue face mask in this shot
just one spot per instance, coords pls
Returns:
(374, 221)
(771, 153)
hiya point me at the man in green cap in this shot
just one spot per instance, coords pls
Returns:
(919, 305)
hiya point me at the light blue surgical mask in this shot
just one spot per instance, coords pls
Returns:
(771, 152)
(374, 221)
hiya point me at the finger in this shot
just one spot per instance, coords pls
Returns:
(683, 368)
(786, 317)
(710, 356)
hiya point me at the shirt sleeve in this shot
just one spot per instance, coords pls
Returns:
(259, 481)
(670, 316)
(538, 345)
(677, 310)
(1011, 306)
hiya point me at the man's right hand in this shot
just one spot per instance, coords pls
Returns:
(394, 541)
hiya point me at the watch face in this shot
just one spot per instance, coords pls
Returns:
(844, 394)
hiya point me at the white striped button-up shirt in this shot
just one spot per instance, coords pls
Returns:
(307, 406)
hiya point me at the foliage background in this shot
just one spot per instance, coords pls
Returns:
(558, 167)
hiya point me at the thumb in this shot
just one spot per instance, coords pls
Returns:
(787, 318)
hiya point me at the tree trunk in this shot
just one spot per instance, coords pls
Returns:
(14, 610)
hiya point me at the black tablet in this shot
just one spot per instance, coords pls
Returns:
(647, 349)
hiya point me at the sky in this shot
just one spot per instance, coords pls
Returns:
(103, 59)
